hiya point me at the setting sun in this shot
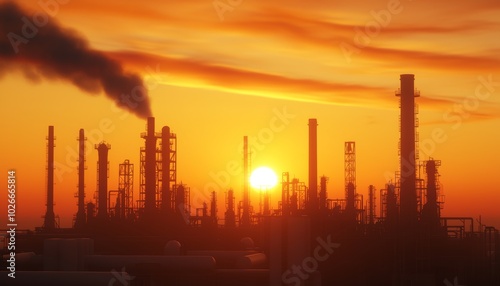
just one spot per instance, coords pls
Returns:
(263, 178)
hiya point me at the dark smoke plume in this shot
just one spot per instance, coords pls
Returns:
(41, 48)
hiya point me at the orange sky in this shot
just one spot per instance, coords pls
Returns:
(214, 77)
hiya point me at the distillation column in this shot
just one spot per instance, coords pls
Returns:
(49, 220)
(313, 166)
(408, 195)
(80, 215)
(102, 183)
(245, 219)
(150, 168)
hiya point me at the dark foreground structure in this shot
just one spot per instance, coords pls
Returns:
(395, 236)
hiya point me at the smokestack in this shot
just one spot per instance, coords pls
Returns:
(54, 52)
(49, 221)
(245, 219)
(102, 189)
(150, 168)
(80, 215)
(408, 195)
(166, 200)
(313, 165)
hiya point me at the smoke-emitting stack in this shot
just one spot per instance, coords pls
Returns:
(150, 168)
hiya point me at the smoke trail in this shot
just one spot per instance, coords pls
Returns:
(42, 48)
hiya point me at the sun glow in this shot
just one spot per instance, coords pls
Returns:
(263, 178)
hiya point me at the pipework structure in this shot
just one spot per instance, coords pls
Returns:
(158, 171)
(168, 170)
(126, 186)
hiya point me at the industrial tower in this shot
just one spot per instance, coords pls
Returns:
(408, 150)
(49, 222)
(80, 215)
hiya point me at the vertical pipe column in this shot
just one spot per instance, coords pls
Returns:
(371, 204)
(322, 193)
(49, 221)
(408, 196)
(245, 219)
(102, 207)
(166, 196)
(80, 216)
(150, 168)
(313, 165)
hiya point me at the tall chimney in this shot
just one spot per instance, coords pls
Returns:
(408, 196)
(245, 219)
(166, 196)
(102, 188)
(313, 165)
(80, 215)
(150, 168)
(49, 221)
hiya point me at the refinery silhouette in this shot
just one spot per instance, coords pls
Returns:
(152, 236)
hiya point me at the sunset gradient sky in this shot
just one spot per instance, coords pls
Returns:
(262, 68)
